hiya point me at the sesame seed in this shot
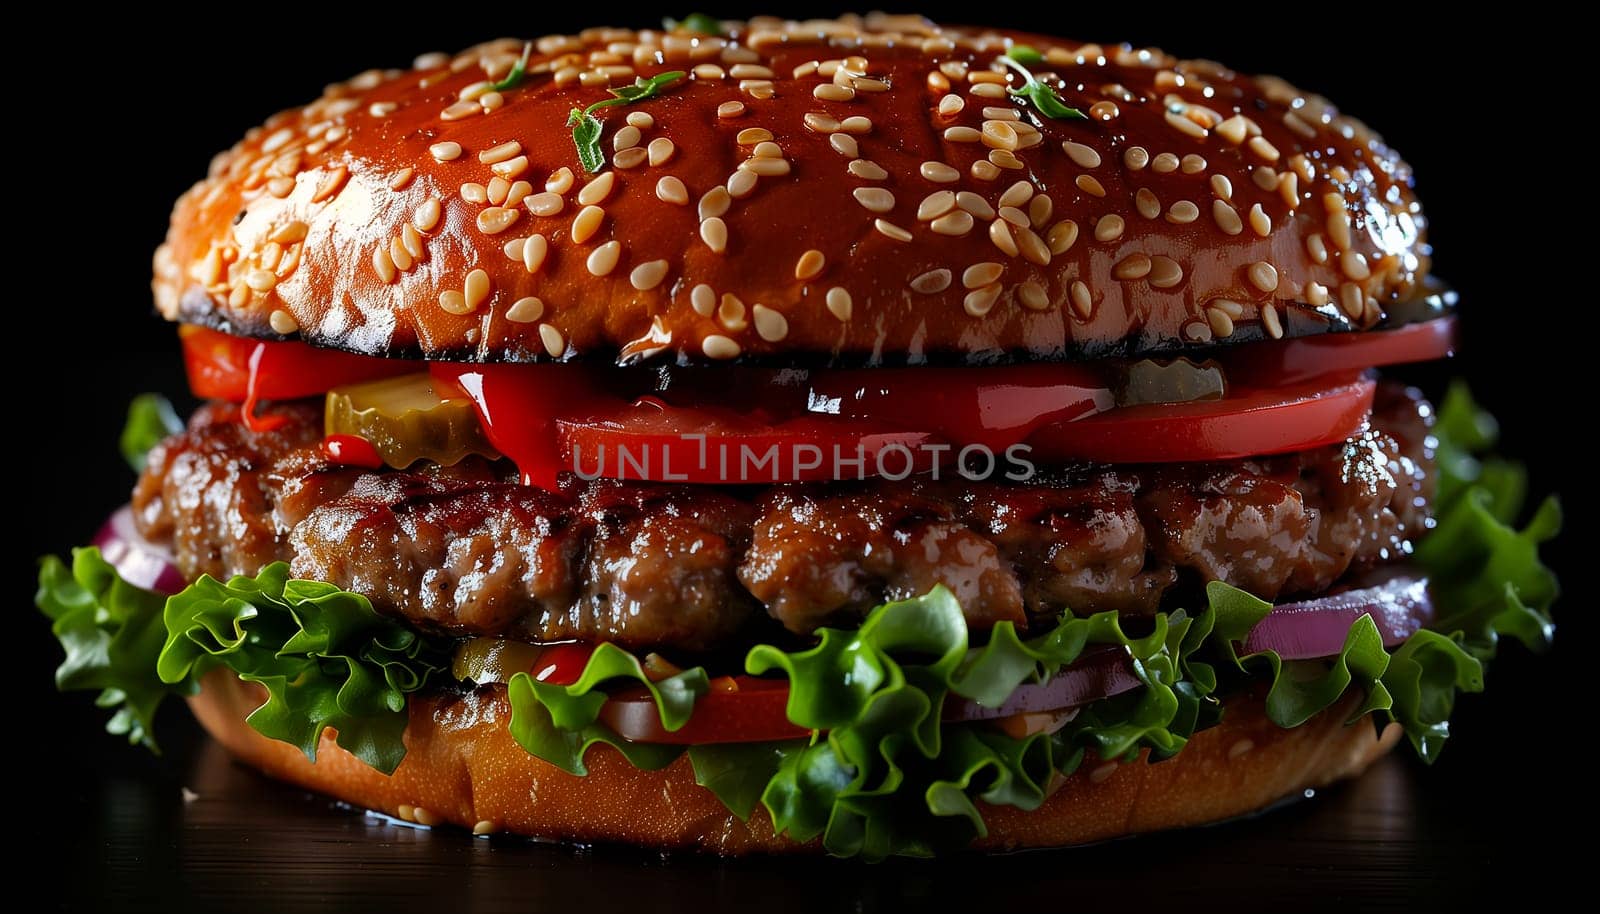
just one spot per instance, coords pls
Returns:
(1260, 221)
(845, 145)
(534, 252)
(427, 215)
(1033, 248)
(412, 240)
(714, 232)
(402, 258)
(1081, 155)
(560, 181)
(1316, 294)
(495, 219)
(1062, 236)
(330, 183)
(962, 134)
(1040, 209)
(890, 230)
(1165, 272)
(641, 119)
(1289, 189)
(981, 274)
(935, 205)
(1354, 265)
(766, 166)
(473, 192)
(1146, 202)
(483, 827)
(1136, 158)
(1262, 275)
(587, 223)
(1269, 319)
(857, 124)
(597, 190)
(998, 134)
(1017, 194)
(974, 204)
(1104, 110)
(1014, 216)
(1000, 233)
(554, 343)
(1264, 178)
(603, 259)
(282, 322)
(1339, 229)
(630, 158)
(261, 280)
(817, 122)
(985, 170)
(758, 88)
(940, 173)
(750, 136)
(750, 71)
(1133, 266)
(1226, 217)
(661, 151)
(1229, 307)
(828, 92)
(715, 202)
(839, 303)
(988, 90)
(445, 152)
(996, 112)
(1221, 324)
(401, 178)
(717, 346)
(931, 282)
(1033, 296)
(476, 289)
(290, 232)
(525, 310)
(1005, 158)
(771, 325)
(383, 264)
(1352, 299)
(1233, 129)
(867, 170)
(730, 110)
(742, 183)
(500, 153)
(453, 302)
(809, 265)
(1165, 163)
(703, 299)
(709, 71)
(671, 190)
(1183, 212)
(980, 302)
(953, 224)
(648, 275)
(1261, 147)
(731, 312)
(1109, 228)
(1222, 187)
(510, 168)
(1192, 164)
(1184, 125)
(1089, 185)
(1082, 301)
(951, 105)
(460, 110)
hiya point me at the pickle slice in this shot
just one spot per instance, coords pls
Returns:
(406, 421)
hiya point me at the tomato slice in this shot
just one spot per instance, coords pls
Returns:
(740, 709)
(1246, 423)
(1303, 358)
(242, 370)
(655, 441)
(993, 406)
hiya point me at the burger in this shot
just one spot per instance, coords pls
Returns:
(857, 436)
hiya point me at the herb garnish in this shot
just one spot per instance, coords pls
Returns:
(699, 23)
(515, 77)
(1025, 54)
(1044, 99)
(586, 127)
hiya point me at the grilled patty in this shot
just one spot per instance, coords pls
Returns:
(465, 549)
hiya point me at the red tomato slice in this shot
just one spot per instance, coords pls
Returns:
(995, 406)
(1303, 358)
(741, 709)
(655, 441)
(1246, 423)
(241, 370)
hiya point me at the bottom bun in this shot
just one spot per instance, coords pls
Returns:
(463, 767)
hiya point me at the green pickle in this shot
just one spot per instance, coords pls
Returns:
(406, 421)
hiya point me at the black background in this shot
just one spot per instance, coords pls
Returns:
(121, 125)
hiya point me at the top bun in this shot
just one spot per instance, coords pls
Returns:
(860, 190)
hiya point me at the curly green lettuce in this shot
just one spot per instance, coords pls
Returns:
(150, 419)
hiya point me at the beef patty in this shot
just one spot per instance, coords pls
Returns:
(465, 549)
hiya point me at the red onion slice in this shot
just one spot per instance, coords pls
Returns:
(139, 561)
(1398, 603)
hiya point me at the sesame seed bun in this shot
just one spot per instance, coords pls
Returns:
(463, 768)
(857, 190)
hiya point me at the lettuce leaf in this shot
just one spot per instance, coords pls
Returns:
(150, 419)
(325, 657)
(111, 632)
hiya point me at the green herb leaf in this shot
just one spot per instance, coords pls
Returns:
(150, 419)
(738, 773)
(586, 128)
(586, 137)
(699, 23)
(325, 657)
(1027, 55)
(1044, 99)
(112, 633)
(519, 70)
